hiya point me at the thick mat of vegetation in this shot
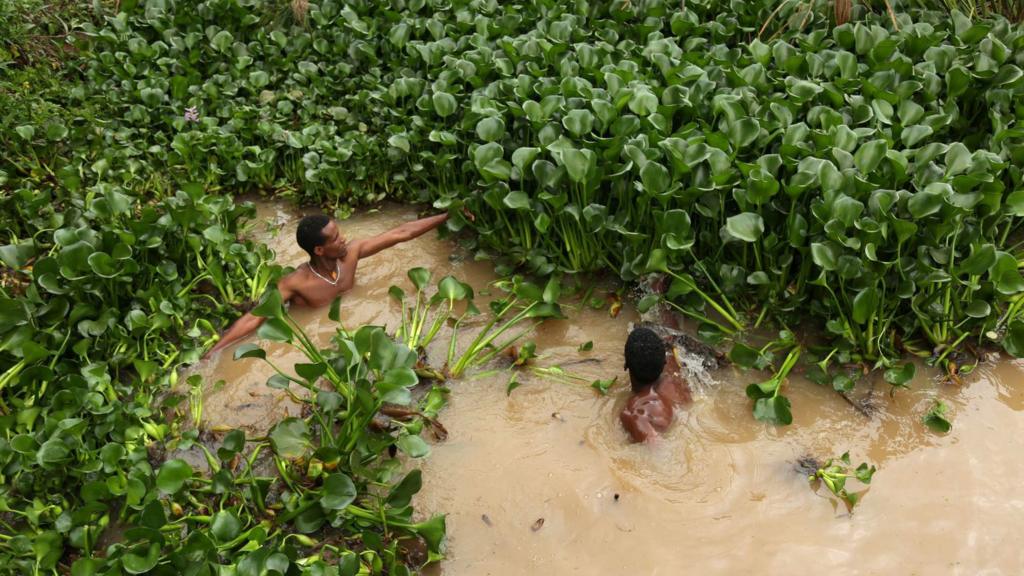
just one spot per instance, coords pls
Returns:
(859, 178)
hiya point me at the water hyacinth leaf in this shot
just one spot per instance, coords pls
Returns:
(657, 261)
(524, 157)
(401, 494)
(980, 260)
(225, 526)
(433, 533)
(222, 40)
(655, 178)
(338, 492)
(901, 376)
(746, 226)
(1013, 341)
(1006, 275)
(743, 355)
(643, 102)
(865, 304)
(761, 186)
(825, 255)
(172, 476)
(26, 131)
(419, 276)
(936, 418)
(1015, 202)
(249, 350)
(141, 559)
(275, 329)
(271, 306)
(869, 156)
(490, 129)
(444, 104)
(842, 383)
(413, 446)
(577, 163)
(290, 438)
(775, 410)
(452, 289)
(51, 453)
(744, 132)
(517, 200)
(578, 122)
(978, 309)
(911, 135)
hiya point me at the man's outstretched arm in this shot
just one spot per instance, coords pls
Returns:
(400, 234)
(246, 325)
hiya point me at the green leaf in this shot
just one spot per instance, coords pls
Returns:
(743, 355)
(402, 493)
(173, 475)
(936, 419)
(643, 102)
(523, 157)
(825, 255)
(276, 330)
(433, 532)
(578, 122)
(222, 41)
(865, 305)
(911, 135)
(981, 259)
(746, 226)
(869, 155)
(26, 131)
(413, 446)
(225, 526)
(338, 492)
(602, 386)
(444, 104)
(657, 261)
(271, 307)
(655, 178)
(586, 346)
(1006, 275)
(290, 438)
(577, 163)
(902, 375)
(419, 276)
(513, 383)
(517, 200)
(136, 563)
(249, 351)
(1013, 342)
(774, 410)
(490, 129)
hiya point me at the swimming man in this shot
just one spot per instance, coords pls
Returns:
(331, 269)
(656, 391)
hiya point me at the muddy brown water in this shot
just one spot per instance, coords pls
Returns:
(719, 494)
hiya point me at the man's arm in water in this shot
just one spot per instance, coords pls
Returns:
(249, 322)
(400, 234)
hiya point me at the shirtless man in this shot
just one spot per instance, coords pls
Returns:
(656, 391)
(331, 269)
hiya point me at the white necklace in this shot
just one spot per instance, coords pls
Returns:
(337, 270)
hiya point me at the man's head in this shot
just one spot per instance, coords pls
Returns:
(645, 357)
(319, 236)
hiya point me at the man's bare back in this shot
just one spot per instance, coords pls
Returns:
(331, 270)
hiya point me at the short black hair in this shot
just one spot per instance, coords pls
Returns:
(645, 357)
(310, 232)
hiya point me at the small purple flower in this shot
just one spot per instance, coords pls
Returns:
(191, 114)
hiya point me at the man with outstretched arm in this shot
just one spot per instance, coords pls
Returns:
(331, 269)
